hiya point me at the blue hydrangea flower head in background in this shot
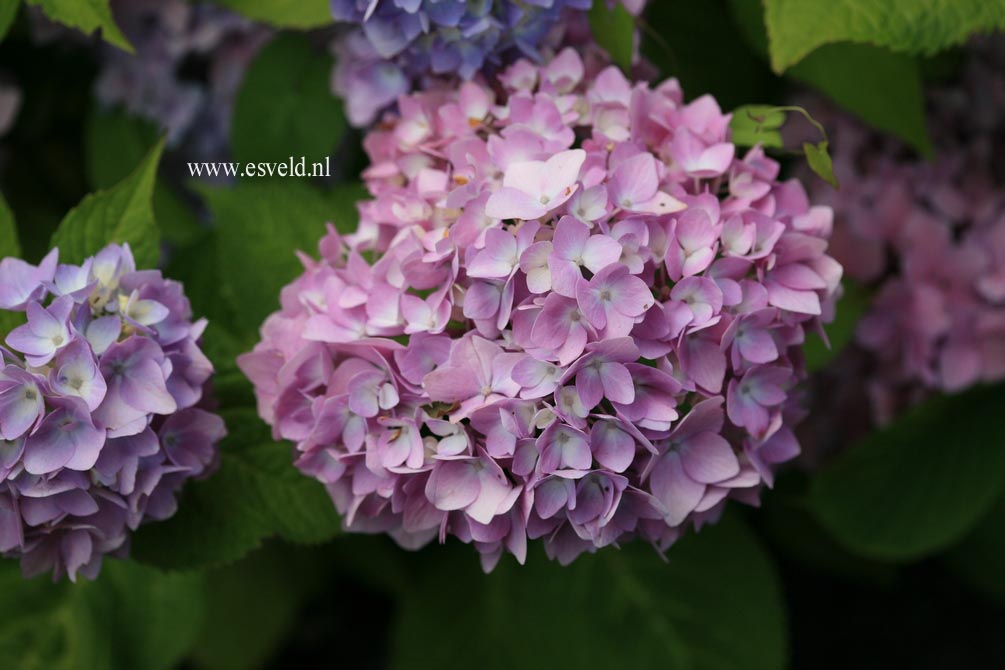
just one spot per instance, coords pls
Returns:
(188, 65)
(397, 42)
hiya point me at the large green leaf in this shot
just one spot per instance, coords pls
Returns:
(9, 246)
(8, 231)
(920, 484)
(114, 143)
(33, 629)
(880, 87)
(614, 29)
(285, 107)
(797, 27)
(196, 267)
(132, 138)
(980, 558)
(284, 13)
(136, 617)
(86, 16)
(131, 618)
(841, 331)
(701, 44)
(713, 605)
(123, 213)
(260, 226)
(253, 605)
(256, 494)
(8, 12)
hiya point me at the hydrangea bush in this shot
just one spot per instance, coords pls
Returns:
(188, 65)
(570, 312)
(395, 44)
(98, 408)
(928, 238)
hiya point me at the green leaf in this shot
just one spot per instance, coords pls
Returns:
(132, 138)
(702, 45)
(757, 124)
(764, 120)
(86, 16)
(614, 29)
(123, 213)
(253, 605)
(196, 267)
(284, 13)
(114, 143)
(342, 200)
(797, 27)
(8, 231)
(980, 558)
(130, 618)
(260, 226)
(850, 308)
(8, 247)
(284, 107)
(713, 605)
(135, 617)
(8, 12)
(820, 161)
(796, 533)
(880, 87)
(34, 639)
(256, 494)
(920, 484)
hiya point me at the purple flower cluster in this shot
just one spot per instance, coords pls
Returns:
(398, 42)
(569, 312)
(928, 238)
(186, 71)
(98, 424)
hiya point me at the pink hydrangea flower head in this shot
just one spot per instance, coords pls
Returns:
(99, 424)
(927, 239)
(579, 320)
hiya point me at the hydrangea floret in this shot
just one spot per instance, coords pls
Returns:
(570, 312)
(99, 426)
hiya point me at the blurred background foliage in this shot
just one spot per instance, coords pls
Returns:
(893, 556)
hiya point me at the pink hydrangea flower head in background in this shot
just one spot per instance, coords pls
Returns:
(927, 239)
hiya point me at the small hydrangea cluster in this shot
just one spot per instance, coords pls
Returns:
(929, 238)
(98, 423)
(10, 103)
(188, 65)
(569, 312)
(398, 42)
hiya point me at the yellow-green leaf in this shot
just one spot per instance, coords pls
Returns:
(757, 124)
(798, 27)
(820, 161)
(302, 14)
(86, 16)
